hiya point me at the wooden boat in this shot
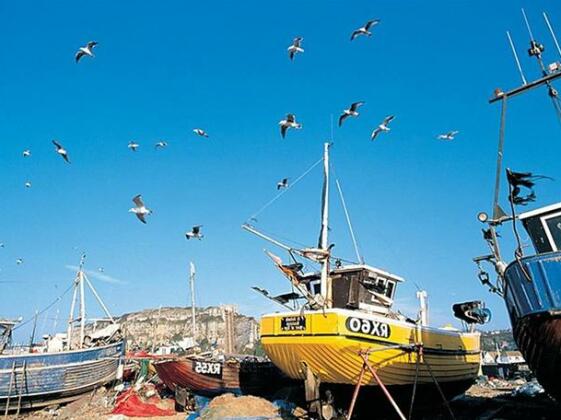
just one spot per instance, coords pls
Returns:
(69, 365)
(529, 284)
(210, 376)
(348, 313)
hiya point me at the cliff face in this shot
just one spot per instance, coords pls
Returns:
(160, 327)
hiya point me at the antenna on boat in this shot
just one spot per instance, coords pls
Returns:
(323, 242)
(192, 285)
(516, 58)
(552, 33)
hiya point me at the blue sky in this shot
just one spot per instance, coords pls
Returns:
(162, 69)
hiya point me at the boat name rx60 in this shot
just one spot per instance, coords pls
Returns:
(367, 326)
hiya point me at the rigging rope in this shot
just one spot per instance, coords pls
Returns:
(49, 306)
(280, 194)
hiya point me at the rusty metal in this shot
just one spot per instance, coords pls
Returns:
(355, 393)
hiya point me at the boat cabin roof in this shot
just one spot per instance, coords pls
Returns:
(359, 267)
(544, 227)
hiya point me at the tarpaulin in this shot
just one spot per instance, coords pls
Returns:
(131, 404)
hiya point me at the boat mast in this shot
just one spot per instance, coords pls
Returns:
(192, 284)
(323, 239)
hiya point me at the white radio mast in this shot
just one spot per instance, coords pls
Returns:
(192, 284)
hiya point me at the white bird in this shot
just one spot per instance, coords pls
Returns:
(448, 136)
(87, 50)
(26, 153)
(61, 151)
(288, 122)
(140, 210)
(195, 233)
(365, 30)
(133, 145)
(101, 269)
(382, 127)
(27, 184)
(200, 132)
(283, 183)
(351, 112)
(161, 145)
(296, 47)
(19, 261)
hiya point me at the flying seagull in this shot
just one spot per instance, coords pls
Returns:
(26, 153)
(283, 183)
(87, 50)
(351, 112)
(296, 47)
(365, 30)
(19, 261)
(140, 210)
(289, 122)
(195, 233)
(161, 145)
(200, 132)
(101, 269)
(382, 127)
(133, 145)
(61, 150)
(448, 136)
(27, 184)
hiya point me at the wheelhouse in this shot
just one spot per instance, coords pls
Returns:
(544, 228)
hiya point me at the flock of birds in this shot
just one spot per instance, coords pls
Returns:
(289, 122)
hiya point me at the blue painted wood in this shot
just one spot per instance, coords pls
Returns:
(542, 293)
(58, 374)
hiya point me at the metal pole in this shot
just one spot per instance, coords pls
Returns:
(251, 229)
(516, 58)
(71, 317)
(193, 313)
(98, 298)
(82, 308)
(355, 393)
(32, 338)
(552, 33)
(528, 25)
(325, 224)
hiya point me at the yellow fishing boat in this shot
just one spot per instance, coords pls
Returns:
(348, 332)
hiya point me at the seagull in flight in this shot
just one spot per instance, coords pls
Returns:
(195, 233)
(28, 184)
(296, 47)
(447, 136)
(200, 132)
(140, 209)
(288, 122)
(351, 112)
(283, 183)
(87, 50)
(382, 127)
(365, 30)
(133, 145)
(161, 145)
(26, 153)
(61, 151)
(19, 261)
(101, 269)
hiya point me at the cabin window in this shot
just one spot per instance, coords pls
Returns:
(553, 229)
(389, 289)
(537, 231)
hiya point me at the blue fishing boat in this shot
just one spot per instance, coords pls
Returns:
(67, 366)
(531, 283)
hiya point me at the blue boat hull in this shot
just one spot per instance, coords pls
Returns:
(39, 379)
(533, 300)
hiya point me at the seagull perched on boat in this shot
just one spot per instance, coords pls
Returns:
(26, 153)
(351, 112)
(141, 211)
(296, 47)
(283, 183)
(61, 151)
(365, 30)
(200, 132)
(382, 127)
(87, 50)
(288, 122)
(133, 145)
(161, 145)
(27, 184)
(448, 136)
(195, 233)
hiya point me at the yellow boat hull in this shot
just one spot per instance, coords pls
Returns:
(329, 342)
